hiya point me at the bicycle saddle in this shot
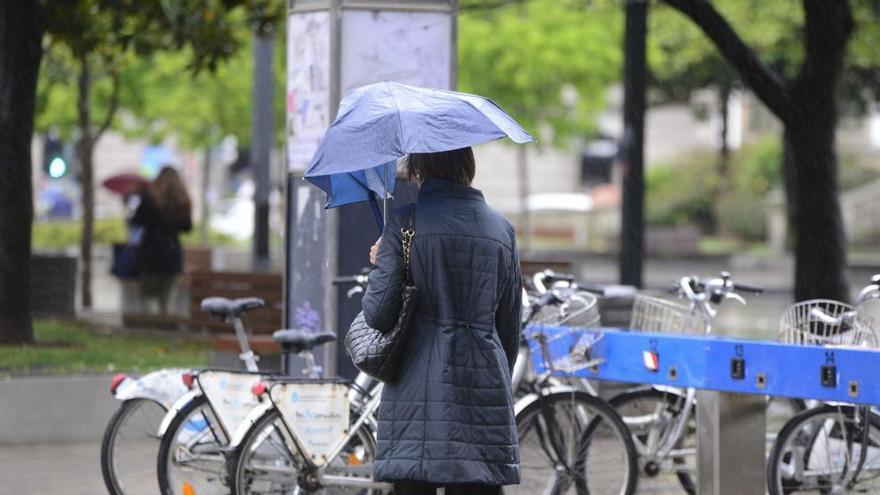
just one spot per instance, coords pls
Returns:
(301, 340)
(230, 308)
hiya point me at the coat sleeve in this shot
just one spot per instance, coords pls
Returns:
(508, 317)
(382, 299)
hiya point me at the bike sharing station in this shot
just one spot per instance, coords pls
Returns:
(732, 378)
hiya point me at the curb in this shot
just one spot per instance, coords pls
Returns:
(55, 409)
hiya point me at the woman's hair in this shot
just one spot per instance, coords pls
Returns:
(456, 166)
(171, 197)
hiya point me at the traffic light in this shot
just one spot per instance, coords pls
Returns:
(54, 162)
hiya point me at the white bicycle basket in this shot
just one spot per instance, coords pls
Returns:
(826, 322)
(653, 314)
(578, 309)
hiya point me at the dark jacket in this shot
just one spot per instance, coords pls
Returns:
(159, 250)
(449, 417)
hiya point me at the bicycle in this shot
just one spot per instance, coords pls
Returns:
(131, 440)
(308, 434)
(832, 448)
(197, 428)
(554, 419)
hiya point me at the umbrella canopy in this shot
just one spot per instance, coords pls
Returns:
(382, 122)
(354, 187)
(125, 183)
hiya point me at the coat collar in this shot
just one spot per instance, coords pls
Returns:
(435, 187)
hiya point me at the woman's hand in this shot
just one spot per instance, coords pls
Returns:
(375, 251)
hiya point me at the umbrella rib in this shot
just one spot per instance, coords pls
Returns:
(397, 111)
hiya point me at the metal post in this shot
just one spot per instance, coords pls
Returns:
(632, 219)
(731, 443)
(262, 143)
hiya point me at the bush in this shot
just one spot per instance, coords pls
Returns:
(680, 194)
(685, 193)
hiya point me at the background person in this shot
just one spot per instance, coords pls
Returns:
(448, 420)
(163, 213)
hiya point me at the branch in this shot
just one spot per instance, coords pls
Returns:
(766, 83)
(114, 103)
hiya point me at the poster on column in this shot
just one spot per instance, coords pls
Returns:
(406, 47)
(308, 85)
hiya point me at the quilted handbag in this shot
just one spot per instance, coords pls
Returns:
(373, 352)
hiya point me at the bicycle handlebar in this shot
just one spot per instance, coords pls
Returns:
(752, 289)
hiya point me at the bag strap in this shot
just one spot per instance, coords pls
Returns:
(407, 232)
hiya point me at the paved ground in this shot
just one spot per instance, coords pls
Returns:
(68, 469)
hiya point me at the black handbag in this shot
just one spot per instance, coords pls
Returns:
(373, 352)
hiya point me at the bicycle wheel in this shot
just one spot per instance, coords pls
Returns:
(266, 463)
(780, 410)
(572, 442)
(129, 447)
(190, 458)
(825, 450)
(651, 416)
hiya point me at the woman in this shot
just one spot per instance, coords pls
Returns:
(163, 213)
(448, 419)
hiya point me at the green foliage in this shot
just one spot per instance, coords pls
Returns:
(547, 62)
(682, 60)
(71, 347)
(199, 109)
(163, 87)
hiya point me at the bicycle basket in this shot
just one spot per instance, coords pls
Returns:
(653, 314)
(564, 349)
(578, 309)
(826, 322)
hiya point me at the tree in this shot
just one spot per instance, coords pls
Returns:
(102, 37)
(548, 62)
(21, 30)
(806, 105)
(90, 29)
(683, 63)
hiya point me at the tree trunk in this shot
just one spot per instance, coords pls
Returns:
(810, 159)
(632, 228)
(206, 189)
(810, 170)
(525, 214)
(85, 148)
(724, 91)
(20, 52)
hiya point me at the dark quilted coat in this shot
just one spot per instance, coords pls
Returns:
(449, 416)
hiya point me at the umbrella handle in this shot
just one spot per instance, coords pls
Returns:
(377, 212)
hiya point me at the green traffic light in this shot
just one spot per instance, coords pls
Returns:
(57, 168)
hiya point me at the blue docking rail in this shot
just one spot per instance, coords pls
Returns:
(842, 374)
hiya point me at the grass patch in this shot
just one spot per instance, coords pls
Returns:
(60, 234)
(70, 347)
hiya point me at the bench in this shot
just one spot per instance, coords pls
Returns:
(233, 285)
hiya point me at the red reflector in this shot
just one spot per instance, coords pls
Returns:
(651, 360)
(187, 379)
(115, 381)
(258, 389)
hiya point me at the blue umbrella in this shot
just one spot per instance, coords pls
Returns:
(355, 187)
(380, 123)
